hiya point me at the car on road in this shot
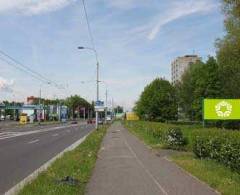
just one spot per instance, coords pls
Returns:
(108, 118)
(91, 121)
(100, 121)
(2, 118)
(74, 122)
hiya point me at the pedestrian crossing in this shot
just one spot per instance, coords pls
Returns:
(6, 135)
(10, 134)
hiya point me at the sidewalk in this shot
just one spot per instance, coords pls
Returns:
(125, 166)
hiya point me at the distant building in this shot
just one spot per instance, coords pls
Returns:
(31, 100)
(181, 64)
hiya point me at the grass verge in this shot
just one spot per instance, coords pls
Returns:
(78, 164)
(214, 174)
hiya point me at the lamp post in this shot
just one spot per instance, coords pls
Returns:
(97, 81)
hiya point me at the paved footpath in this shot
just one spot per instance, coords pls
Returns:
(125, 166)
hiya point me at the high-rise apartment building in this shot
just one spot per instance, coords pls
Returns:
(181, 64)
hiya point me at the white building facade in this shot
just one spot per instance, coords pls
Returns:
(180, 65)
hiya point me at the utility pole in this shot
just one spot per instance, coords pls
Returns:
(106, 107)
(112, 109)
(97, 94)
(84, 113)
(97, 81)
(39, 102)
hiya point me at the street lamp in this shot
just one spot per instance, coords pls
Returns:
(96, 56)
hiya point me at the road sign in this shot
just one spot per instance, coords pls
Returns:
(99, 103)
(221, 109)
(99, 109)
(99, 106)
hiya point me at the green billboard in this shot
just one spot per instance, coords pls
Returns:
(221, 109)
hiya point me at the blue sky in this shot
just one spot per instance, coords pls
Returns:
(136, 41)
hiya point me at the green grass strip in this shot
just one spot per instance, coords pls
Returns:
(78, 164)
(214, 174)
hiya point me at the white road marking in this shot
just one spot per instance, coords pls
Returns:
(6, 135)
(54, 135)
(33, 141)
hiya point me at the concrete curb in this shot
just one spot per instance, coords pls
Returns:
(15, 189)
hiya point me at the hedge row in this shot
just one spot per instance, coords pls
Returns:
(220, 145)
(168, 135)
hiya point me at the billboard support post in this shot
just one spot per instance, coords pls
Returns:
(203, 121)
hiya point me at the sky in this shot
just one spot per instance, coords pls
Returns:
(136, 42)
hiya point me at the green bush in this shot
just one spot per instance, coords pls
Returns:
(220, 145)
(174, 138)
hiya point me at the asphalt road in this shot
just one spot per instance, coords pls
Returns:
(22, 151)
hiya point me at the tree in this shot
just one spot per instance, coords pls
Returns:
(118, 109)
(201, 80)
(157, 102)
(228, 50)
(75, 102)
(228, 54)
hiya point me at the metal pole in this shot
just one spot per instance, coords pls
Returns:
(106, 109)
(59, 111)
(112, 109)
(84, 114)
(88, 113)
(39, 102)
(96, 55)
(97, 94)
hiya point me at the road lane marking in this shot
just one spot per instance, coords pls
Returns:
(33, 141)
(7, 135)
(56, 134)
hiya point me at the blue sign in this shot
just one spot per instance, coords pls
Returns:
(99, 103)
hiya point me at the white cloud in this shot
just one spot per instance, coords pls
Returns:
(5, 85)
(126, 4)
(179, 10)
(121, 3)
(32, 7)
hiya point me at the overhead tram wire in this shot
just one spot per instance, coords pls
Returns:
(88, 25)
(21, 69)
(27, 70)
(23, 66)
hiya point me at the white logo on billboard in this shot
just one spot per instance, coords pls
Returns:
(223, 109)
